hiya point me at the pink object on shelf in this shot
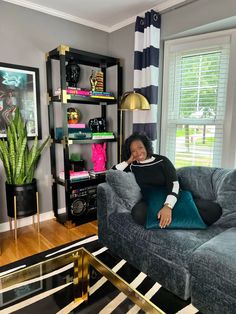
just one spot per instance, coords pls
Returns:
(99, 157)
(75, 175)
(78, 92)
(76, 126)
(79, 173)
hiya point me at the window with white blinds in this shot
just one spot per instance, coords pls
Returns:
(195, 88)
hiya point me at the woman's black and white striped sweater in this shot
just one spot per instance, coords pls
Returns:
(157, 170)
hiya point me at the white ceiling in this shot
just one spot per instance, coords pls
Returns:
(106, 15)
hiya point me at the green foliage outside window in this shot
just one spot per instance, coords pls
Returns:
(199, 84)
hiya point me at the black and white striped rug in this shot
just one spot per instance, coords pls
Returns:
(35, 297)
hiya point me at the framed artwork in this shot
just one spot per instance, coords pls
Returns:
(19, 87)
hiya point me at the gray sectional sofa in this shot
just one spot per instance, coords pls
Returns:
(200, 264)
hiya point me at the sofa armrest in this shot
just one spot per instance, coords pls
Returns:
(214, 262)
(107, 203)
(213, 270)
(105, 199)
(220, 250)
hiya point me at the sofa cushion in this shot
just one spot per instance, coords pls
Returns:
(174, 245)
(214, 263)
(198, 180)
(209, 299)
(185, 214)
(125, 186)
(215, 184)
(225, 184)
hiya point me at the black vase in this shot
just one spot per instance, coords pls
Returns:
(72, 73)
(26, 202)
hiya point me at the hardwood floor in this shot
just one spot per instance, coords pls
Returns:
(29, 242)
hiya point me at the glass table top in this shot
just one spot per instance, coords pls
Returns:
(74, 282)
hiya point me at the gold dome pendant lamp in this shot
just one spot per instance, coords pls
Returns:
(130, 101)
(134, 101)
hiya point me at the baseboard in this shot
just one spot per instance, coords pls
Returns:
(22, 222)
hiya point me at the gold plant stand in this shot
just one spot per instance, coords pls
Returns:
(15, 217)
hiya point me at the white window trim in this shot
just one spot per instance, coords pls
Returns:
(229, 140)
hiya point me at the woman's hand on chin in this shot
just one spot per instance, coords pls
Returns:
(130, 160)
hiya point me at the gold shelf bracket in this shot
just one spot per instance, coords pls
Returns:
(49, 98)
(62, 49)
(64, 96)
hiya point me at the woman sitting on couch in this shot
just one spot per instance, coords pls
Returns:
(156, 170)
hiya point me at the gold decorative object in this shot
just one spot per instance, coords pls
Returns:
(62, 49)
(100, 81)
(73, 115)
(93, 81)
(134, 101)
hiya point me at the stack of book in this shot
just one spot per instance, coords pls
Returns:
(78, 91)
(88, 93)
(97, 173)
(100, 79)
(103, 135)
(76, 126)
(104, 95)
(75, 133)
(75, 175)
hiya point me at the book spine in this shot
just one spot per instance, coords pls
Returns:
(101, 137)
(103, 97)
(97, 93)
(77, 179)
(76, 126)
(78, 92)
(103, 133)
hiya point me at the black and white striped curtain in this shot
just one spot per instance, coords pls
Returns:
(146, 71)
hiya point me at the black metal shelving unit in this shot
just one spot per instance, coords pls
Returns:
(62, 54)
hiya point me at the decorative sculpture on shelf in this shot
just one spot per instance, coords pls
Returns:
(100, 81)
(99, 157)
(72, 73)
(73, 115)
(93, 81)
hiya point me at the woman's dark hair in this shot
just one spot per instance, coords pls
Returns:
(136, 137)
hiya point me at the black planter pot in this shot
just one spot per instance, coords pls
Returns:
(26, 203)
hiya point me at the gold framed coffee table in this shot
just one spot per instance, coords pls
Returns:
(27, 286)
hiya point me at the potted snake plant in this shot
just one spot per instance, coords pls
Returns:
(20, 162)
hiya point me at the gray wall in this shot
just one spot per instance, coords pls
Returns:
(199, 17)
(25, 37)
(121, 45)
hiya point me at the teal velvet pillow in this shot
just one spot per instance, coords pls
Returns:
(185, 214)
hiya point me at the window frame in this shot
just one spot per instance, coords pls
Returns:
(228, 156)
